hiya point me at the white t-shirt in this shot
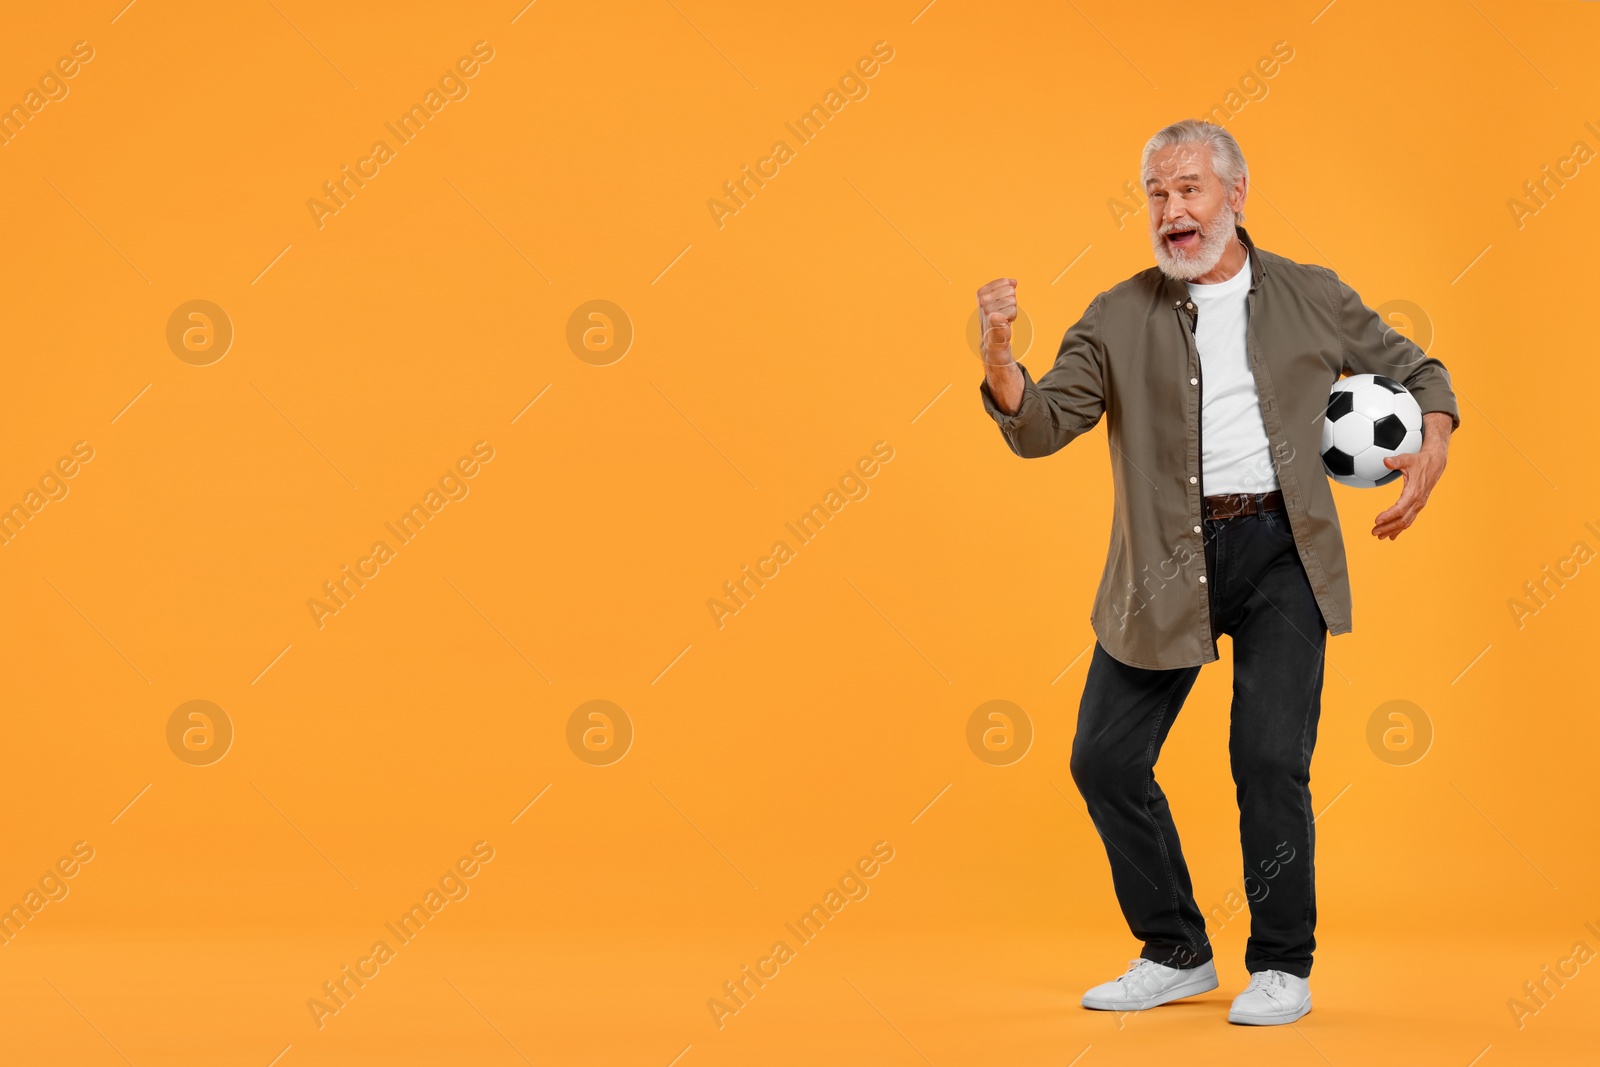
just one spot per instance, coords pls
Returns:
(1236, 456)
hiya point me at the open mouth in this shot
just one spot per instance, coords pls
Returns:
(1182, 238)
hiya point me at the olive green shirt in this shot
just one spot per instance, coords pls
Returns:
(1132, 359)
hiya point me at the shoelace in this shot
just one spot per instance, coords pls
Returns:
(1135, 967)
(1139, 972)
(1269, 982)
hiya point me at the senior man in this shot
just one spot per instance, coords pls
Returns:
(1212, 371)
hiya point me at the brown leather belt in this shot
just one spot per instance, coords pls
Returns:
(1231, 505)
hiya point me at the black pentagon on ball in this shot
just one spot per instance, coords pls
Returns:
(1388, 432)
(1340, 404)
(1389, 383)
(1339, 463)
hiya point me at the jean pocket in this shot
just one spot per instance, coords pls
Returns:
(1279, 521)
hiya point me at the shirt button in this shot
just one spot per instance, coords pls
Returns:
(1194, 381)
(1190, 306)
(1202, 577)
(1192, 479)
(1197, 529)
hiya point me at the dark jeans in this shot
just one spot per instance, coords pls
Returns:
(1261, 597)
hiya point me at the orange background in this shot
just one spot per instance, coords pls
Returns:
(769, 354)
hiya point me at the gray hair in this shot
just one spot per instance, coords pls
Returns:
(1227, 160)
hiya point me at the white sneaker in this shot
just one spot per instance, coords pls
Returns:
(1148, 983)
(1271, 999)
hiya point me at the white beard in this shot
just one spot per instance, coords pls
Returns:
(1188, 265)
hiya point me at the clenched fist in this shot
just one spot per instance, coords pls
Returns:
(997, 310)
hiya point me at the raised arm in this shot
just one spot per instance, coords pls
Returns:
(1040, 418)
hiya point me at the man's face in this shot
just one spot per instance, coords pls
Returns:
(1192, 216)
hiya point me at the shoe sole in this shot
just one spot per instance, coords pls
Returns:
(1272, 1019)
(1188, 989)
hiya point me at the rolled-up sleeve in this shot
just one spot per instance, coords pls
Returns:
(1372, 346)
(1064, 404)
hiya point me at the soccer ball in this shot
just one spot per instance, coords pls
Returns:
(1370, 417)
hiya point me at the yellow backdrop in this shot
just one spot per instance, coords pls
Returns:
(405, 405)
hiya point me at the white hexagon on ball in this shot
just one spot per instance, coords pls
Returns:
(1373, 403)
(1370, 466)
(1352, 434)
(1410, 412)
